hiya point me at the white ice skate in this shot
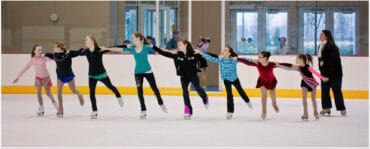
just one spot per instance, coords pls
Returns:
(94, 115)
(143, 115)
(120, 101)
(41, 111)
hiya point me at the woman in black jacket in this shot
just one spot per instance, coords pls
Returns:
(187, 68)
(330, 66)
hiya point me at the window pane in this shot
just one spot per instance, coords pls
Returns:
(149, 22)
(276, 27)
(246, 35)
(309, 31)
(168, 24)
(130, 22)
(345, 31)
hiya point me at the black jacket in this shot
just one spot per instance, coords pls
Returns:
(332, 67)
(95, 59)
(187, 64)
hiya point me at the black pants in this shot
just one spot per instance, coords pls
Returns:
(139, 78)
(230, 100)
(185, 92)
(92, 85)
(336, 86)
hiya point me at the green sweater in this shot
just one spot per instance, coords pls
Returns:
(142, 63)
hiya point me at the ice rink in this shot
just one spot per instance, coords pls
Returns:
(122, 127)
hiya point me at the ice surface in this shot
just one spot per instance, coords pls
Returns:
(122, 127)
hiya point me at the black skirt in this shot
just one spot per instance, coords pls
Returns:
(304, 84)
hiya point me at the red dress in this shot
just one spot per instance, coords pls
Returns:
(267, 77)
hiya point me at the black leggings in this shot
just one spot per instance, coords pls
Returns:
(92, 85)
(139, 78)
(230, 100)
(185, 84)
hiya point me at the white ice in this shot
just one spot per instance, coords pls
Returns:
(122, 127)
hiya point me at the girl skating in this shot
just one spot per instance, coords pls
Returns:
(187, 67)
(266, 81)
(143, 70)
(308, 83)
(63, 59)
(97, 72)
(42, 77)
(229, 76)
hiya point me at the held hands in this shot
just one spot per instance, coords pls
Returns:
(16, 80)
(235, 58)
(277, 64)
(321, 63)
(325, 79)
(197, 51)
(103, 48)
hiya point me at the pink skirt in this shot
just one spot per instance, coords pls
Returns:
(43, 81)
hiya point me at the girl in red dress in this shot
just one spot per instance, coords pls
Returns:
(266, 81)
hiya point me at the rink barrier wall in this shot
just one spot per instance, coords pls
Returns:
(120, 68)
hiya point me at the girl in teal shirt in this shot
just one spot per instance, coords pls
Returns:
(143, 69)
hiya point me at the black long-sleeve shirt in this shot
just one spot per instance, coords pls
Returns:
(187, 64)
(332, 67)
(95, 59)
(63, 61)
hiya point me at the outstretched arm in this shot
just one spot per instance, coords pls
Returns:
(165, 53)
(49, 55)
(211, 58)
(288, 66)
(25, 68)
(75, 53)
(112, 49)
(313, 71)
(247, 61)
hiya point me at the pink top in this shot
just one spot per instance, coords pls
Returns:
(39, 64)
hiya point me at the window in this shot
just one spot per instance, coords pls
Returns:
(310, 28)
(276, 27)
(141, 16)
(345, 32)
(130, 22)
(255, 29)
(150, 22)
(342, 22)
(246, 34)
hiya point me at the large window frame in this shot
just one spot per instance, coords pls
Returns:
(329, 24)
(165, 29)
(261, 13)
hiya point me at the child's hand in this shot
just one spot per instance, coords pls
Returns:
(197, 51)
(277, 64)
(235, 58)
(15, 81)
(321, 63)
(129, 46)
(325, 79)
(150, 45)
